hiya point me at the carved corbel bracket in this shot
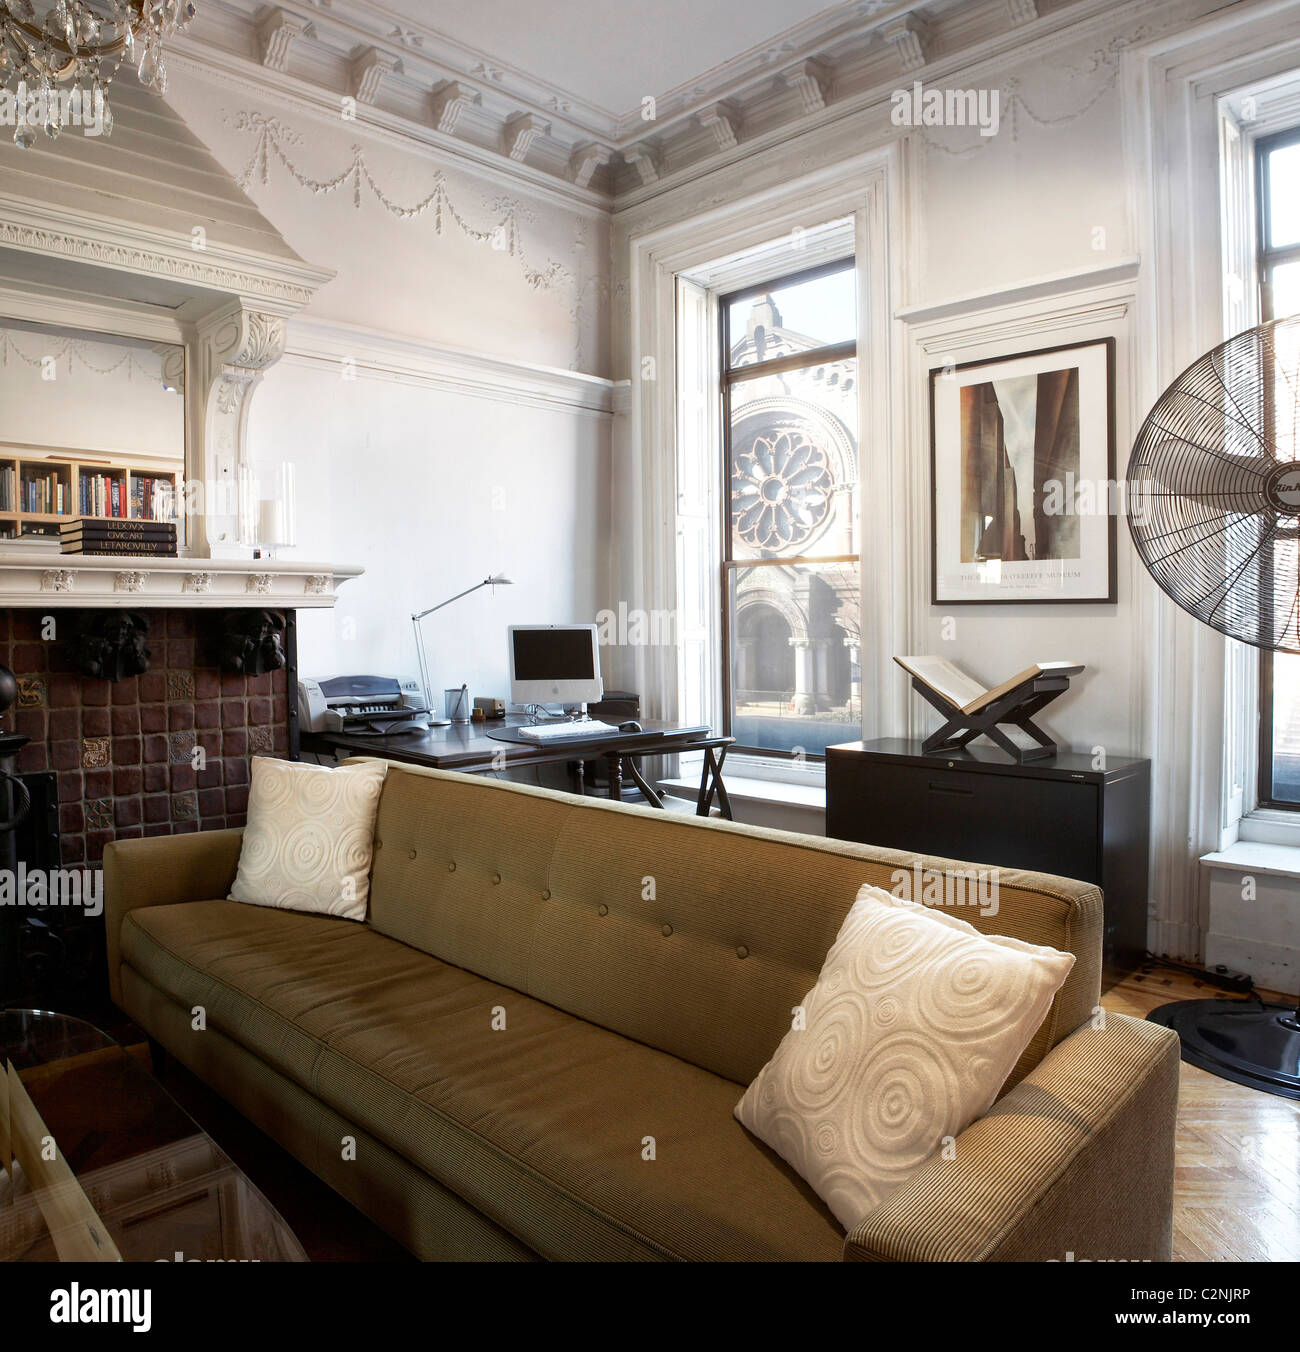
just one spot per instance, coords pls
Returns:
(236, 346)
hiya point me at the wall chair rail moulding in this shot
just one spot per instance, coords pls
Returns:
(863, 188)
(196, 265)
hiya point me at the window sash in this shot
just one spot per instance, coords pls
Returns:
(730, 377)
(1268, 259)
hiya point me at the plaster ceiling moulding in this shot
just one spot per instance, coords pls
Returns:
(724, 121)
(519, 133)
(834, 30)
(450, 100)
(369, 70)
(426, 57)
(910, 37)
(644, 163)
(586, 159)
(276, 35)
(811, 81)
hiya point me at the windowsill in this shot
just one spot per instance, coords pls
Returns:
(1252, 856)
(1270, 826)
(811, 797)
(747, 765)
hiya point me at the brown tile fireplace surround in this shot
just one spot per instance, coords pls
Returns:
(123, 750)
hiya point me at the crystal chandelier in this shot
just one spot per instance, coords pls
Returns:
(78, 44)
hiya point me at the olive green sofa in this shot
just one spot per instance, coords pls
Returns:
(533, 1046)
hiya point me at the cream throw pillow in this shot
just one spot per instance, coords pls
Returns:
(310, 837)
(914, 1023)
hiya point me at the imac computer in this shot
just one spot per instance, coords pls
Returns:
(555, 664)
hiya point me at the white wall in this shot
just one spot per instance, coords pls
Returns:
(431, 491)
(400, 403)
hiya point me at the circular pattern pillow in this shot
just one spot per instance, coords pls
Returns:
(914, 1024)
(309, 840)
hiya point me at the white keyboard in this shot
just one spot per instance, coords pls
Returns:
(563, 732)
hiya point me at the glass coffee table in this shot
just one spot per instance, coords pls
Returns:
(99, 1163)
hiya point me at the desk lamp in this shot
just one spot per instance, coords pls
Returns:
(496, 580)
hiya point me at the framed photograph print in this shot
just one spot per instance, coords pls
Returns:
(1022, 478)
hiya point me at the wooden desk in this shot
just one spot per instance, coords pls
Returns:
(470, 748)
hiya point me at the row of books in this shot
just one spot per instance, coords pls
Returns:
(149, 497)
(102, 495)
(152, 497)
(37, 493)
(92, 535)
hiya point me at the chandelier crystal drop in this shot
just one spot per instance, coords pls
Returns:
(79, 45)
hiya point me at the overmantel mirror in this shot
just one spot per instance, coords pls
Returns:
(91, 425)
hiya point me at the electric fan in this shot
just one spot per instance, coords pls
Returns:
(1214, 509)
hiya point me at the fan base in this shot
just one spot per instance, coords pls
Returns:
(1257, 1045)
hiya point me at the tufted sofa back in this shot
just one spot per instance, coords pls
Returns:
(695, 937)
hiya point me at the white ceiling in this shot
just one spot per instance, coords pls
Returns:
(611, 53)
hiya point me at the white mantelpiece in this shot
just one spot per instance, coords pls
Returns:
(32, 579)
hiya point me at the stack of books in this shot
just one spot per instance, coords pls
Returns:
(112, 535)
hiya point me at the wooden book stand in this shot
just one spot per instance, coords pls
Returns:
(1016, 707)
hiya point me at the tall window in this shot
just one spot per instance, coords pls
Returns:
(791, 589)
(1278, 160)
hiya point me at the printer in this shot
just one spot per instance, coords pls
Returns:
(366, 705)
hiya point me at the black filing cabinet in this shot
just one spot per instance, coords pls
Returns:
(1059, 816)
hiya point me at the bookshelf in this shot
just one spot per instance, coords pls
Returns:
(38, 490)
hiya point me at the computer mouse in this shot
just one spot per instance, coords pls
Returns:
(630, 726)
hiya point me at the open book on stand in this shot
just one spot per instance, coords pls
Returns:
(970, 710)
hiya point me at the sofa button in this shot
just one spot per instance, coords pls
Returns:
(411, 854)
(602, 909)
(379, 844)
(666, 931)
(451, 867)
(742, 952)
(546, 894)
(496, 878)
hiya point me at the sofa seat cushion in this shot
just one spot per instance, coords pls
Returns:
(582, 1143)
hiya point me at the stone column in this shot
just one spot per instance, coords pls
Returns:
(804, 700)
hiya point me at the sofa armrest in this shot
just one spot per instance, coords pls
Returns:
(1077, 1159)
(161, 871)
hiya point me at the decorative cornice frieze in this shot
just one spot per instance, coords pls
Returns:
(519, 133)
(273, 142)
(200, 269)
(424, 87)
(450, 100)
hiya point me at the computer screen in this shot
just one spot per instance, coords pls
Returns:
(554, 654)
(554, 663)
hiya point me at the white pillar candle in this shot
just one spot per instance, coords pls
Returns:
(270, 522)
